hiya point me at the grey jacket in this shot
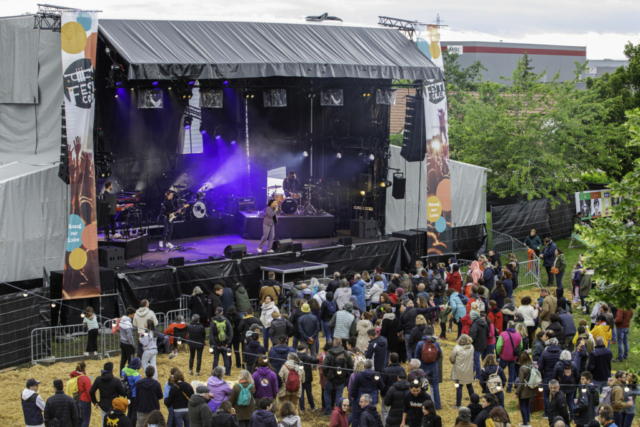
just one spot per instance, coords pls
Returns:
(126, 331)
(269, 216)
(344, 324)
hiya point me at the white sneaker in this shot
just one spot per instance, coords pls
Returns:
(161, 244)
(169, 245)
(259, 250)
(270, 251)
(117, 236)
(86, 354)
(95, 353)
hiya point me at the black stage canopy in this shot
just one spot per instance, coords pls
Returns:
(164, 50)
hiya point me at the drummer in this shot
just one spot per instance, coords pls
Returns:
(291, 184)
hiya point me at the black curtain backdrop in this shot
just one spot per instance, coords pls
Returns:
(467, 241)
(163, 287)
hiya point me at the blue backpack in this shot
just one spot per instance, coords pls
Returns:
(244, 398)
(463, 299)
(331, 307)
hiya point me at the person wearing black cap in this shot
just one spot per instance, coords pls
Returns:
(109, 387)
(60, 409)
(32, 404)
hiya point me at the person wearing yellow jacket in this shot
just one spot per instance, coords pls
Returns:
(602, 329)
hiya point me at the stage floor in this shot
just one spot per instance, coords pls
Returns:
(200, 248)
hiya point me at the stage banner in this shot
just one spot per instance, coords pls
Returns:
(439, 232)
(595, 204)
(79, 35)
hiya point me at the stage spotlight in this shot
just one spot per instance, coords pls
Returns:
(187, 122)
(372, 157)
(339, 155)
(362, 193)
(218, 137)
(169, 88)
(226, 82)
(386, 183)
(233, 142)
(116, 95)
(155, 83)
(305, 153)
(192, 82)
(202, 129)
(107, 50)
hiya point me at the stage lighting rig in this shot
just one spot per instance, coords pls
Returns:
(249, 94)
(184, 92)
(187, 122)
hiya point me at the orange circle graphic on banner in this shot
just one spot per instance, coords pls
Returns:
(90, 49)
(90, 237)
(73, 38)
(434, 209)
(444, 194)
(77, 259)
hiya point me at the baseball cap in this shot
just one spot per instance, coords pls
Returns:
(31, 382)
(202, 389)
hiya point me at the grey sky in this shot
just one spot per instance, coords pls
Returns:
(603, 27)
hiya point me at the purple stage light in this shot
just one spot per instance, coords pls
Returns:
(187, 126)
(226, 82)
(119, 84)
(233, 143)
(155, 83)
(203, 132)
(192, 82)
(218, 137)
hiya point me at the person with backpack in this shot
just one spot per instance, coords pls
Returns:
(178, 399)
(492, 378)
(32, 404)
(336, 366)
(567, 374)
(557, 403)
(437, 287)
(78, 388)
(117, 417)
(527, 388)
(308, 361)
(220, 339)
(588, 400)
(509, 348)
(428, 351)
(130, 377)
(265, 379)
(615, 397)
(127, 340)
(109, 387)
(196, 339)
(478, 333)
(546, 365)
(243, 398)
(292, 375)
(218, 388)
(378, 350)
(289, 416)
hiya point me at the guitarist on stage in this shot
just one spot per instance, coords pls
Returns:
(168, 214)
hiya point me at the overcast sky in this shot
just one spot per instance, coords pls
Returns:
(603, 26)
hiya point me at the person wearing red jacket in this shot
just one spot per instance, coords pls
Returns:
(496, 317)
(84, 399)
(622, 322)
(454, 280)
(466, 324)
(339, 414)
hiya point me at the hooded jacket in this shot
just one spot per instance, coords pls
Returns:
(116, 418)
(308, 327)
(126, 331)
(222, 418)
(558, 407)
(588, 401)
(394, 399)
(547, 362)
(199, 412)
(454, 280)
(478, 333)
(558, 331)
(389, 330)
(243, 412)
(279, 328)
(375, 291)
(246, 324)
(390, 376)
(251, 350)
(416, 336)
(538, 349)
(278, 355)
(149, 394)
(262, 418)
(61, 407)
(214, 302)
(220, 391)
(109, 387)
(338, 416)
(357, 290)
(617, 396)
(377, 351)
(529, 313)
(84, 385)
(331, 363)
(362, 337)
(290, 366)
(132, 375)
(370, 417)
(568, 324)
(585, 284)
(242, 299)
(341, 297)
(431, 369)
(142, 315)
(365, 383)
(495, 315)
(466, 324)
(559, 375)
(462, 359)
(602, 330)
(458, 309)
(266, 383)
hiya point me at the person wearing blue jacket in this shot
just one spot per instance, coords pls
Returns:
(227, 298)
(431, 369)
(308, 325)
(458, 308)
(365, 382)
(358, 290)
(548, 255)
(278, 354)
(546, 365)
(566, 320)
(488, 275)
(378, 350)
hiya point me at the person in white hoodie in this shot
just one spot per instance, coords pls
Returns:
(32, 404)
(266, 317)
(140, 320)
(321, 295)
(127, 340)
(148, 340)
(529, 314)
(376, 290)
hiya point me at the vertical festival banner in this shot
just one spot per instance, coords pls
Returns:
(439, 232)
(79, 35)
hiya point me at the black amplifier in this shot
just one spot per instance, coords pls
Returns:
(234, 204)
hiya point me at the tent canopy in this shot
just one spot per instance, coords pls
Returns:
(162, 50)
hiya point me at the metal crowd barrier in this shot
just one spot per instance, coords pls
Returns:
(184, 301)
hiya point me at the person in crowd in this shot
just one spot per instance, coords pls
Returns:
(234, 318)
(488, 275)
(339, 414)
(389, 329)
(167, 388)
(417, 333)
(215, 300)
(557, 403)
(618, 404)
(362, 328)
(622, 323)
(265, 379)
(549, 306)
(242, 300)
(199, 412)
(60, 409)
(148, 393)
(248, 322)
(498, 418)
(393, 403)
(342, 295)
(377, 350)
(270, 287)
(243, 399)
(600, 363)
(429, 352)
(308, 327)
(524, 393)
(630, 393)
(154, 419)
(358, 290)
(522, 330)
(567, 374)
(546, 365)
(328, 308)
(252, 350)
(585, 289)
(509, 312)
(491, 368)
(478, 333)
(454, 280)
(548, 255)
(558, 330)
(227, 298)
(266, 317)
(127, 340)
(602, 329)
(264, 417)
(509, 347)
(198, 304)
(344, 323)
(129, 377)
(498, 295)
(569, 326)
(225, 416)
(588, 400)
(605, 418)
(147, 337)
(489, 402)
(83, 399)
(140, 321)
(358, 366)
(278, 353)
(221, 339)
(430, 416)
(464, 417)
(218, 387)
(462, 370)
(292, 375)
(474, 406)
(375, 290)
(178, 399)
(458, 308)
(197, 335)
(117, 416)
(289, 416)
(175, 329)
(530, 314)
(336, 366)
(507, 282)
(370, 416)
(90, 321)
(390, 376)
(109, 388)
(563, 303)
(280, 327)
(335, 283)
(538, 345)
(308, 361)
(533, 242)
(368, 383)
(560, 264)
(496, 317)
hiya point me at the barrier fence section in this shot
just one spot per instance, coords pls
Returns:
(529, 270)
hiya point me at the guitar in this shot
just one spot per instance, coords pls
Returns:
(173, 216)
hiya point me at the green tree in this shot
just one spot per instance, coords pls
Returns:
(458, 78)
(537, 138)
(527, 67)
(613, 242)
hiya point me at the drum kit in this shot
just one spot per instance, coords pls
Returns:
(198, 201)
(294, 203)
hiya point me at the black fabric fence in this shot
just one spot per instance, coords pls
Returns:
(467, 241)
(518, 219)
(163, 287)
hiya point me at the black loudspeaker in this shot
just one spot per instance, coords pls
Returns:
(346, 241)
(413, 145)
(364, 228)
(399, 184)
(176, 262)
(283, 245)
(242, 248)
(236, 255)
(111, 257)
(296, 247)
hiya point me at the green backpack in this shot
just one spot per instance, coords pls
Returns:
(244, 398)
(222, 330)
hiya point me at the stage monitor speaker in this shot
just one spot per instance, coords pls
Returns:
(237, 254)
(283, 245)
(103, 213)
(364, 228)
(399, 184)
(111, 257)
(242, 248)
(296, 247)
(413, 145)
(176, 262)
(345, 241)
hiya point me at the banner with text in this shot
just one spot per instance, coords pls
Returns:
(595, 204)
(439, 232)
(79, 35)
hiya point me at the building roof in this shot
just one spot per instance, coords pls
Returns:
(162, 50)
